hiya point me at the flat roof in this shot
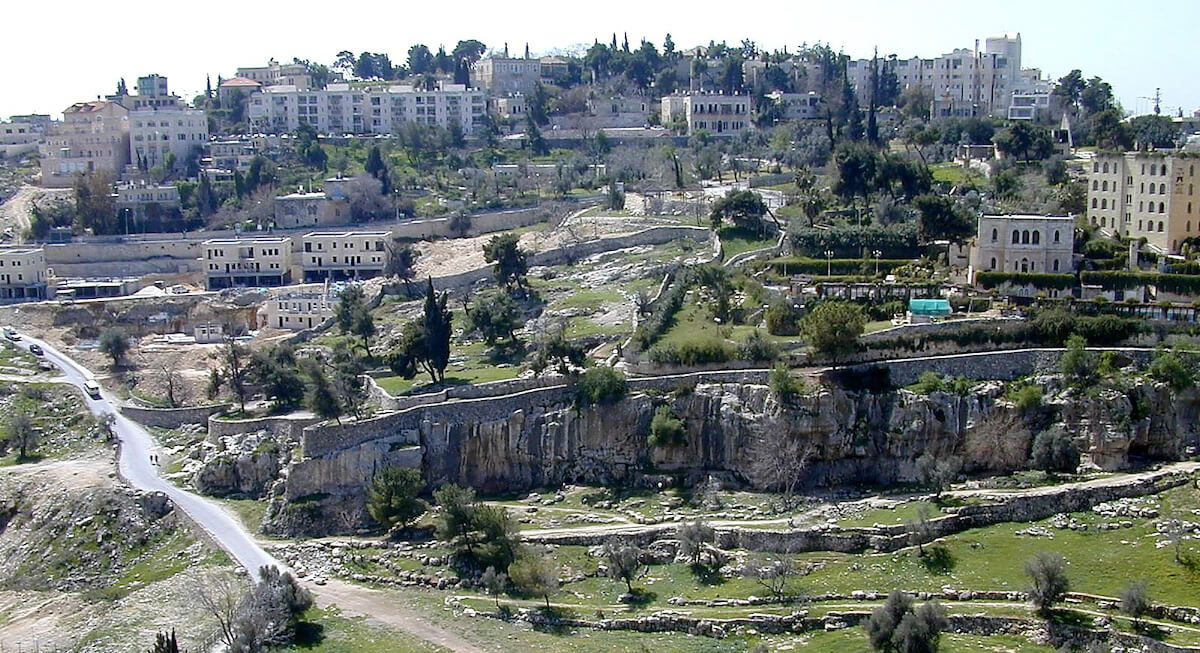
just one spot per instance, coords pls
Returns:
(345, 234)
(250, 239)
(20, 250)
(1028, 217)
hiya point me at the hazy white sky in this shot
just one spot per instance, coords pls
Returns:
(54, 54)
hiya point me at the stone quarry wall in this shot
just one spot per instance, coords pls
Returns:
(283, 426)
(173, 418)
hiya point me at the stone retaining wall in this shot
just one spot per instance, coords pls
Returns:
(282, 426)
(173, 418)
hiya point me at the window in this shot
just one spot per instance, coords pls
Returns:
(1162, 208)
(1103, 203)
(1164, 170)
(993, 266)
(1095, 185)
(1104, 186)
(1160, 225)
(1162, 189)
(996, 233)
(1094, 205)
(1056, 265)
(1106, 166)
(1056, 238)
(1017, 234)
(1025, 237)
(1037, 237)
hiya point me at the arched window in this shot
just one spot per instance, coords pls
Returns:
(1151, 188)
(993, 266)
(1160, 225)
(1056, 238)
(1056, 265)
(1094, 205)
(1025, 237)
(1189, 226)
(995, 235)
(1189, 207)
(1106, 166)
(1037, 237)
(1162, 188)
(1103, 203)
(1162, 208)
(1095, 185)
(1164, 170)
(1017, 235)
(1104, 186)
(1095, 167)
(1024, 265)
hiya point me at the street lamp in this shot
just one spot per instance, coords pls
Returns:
(877, 254)
(829, 262)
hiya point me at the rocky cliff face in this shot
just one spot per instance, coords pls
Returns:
(847, 438)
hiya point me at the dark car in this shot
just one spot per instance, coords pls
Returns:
(36, 350)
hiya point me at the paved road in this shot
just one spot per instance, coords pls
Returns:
(137, 469)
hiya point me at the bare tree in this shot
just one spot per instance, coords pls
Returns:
(919, 528)
(776, 574)
(219, 596)
(780, 461)
(693, 539)
(998, 442)
(169, 377)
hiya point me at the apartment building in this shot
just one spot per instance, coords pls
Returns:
(238, 87)
(501, 75)
(298, 309)
(341, 109)
(965, 82)
(303, 209)
(22, 274)
(144, 200)
(720, 115)
(338, 256)
(248, 261)
(156, 133)
(232, 155)
(1147, 195)
(1023, 244)
(18, 137)
(93, 136)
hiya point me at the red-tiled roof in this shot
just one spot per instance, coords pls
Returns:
(88, 107)
(239, 81)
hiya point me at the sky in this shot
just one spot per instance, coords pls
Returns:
(69, 51)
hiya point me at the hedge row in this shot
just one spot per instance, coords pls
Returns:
(893, 240)
(1051, 327)
(1038, 280)
(1183, 284)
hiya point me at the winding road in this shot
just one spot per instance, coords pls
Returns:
(136, 466)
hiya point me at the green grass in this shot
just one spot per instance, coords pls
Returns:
(249, 511)
(168, 559)
(955, 174)
(326, 630)
(899, 514)
(735, 240)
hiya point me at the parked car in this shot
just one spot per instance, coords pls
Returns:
(92, 388)
(11, 334)
(36, 350)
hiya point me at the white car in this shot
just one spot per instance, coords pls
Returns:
(92, 388)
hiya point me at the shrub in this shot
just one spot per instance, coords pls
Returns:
(1054, 451)
(783, 320)
(1169, 368)
(756, 347)
(600, 385)
(703, 351)
(785, 386)
(666, 430)
(1078, 365)
(833, 327)
(392, 496)
(1026, 397)
(928, 383)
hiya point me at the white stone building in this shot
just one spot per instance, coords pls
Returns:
(1147, 195)
(1023, 244)
(249, 261)
(505, 76)
(343, 255)
(22, 273)
(341, 109)
(157, 133)
(720, 115)
(93, 136)
(298, 308)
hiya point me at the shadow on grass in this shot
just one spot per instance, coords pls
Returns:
(553, 624)
(1066, 617)
(308, 634)
(639, 597)
(938, 560)
(1153, 631)
(706, 574)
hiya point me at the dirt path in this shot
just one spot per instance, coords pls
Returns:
(16, 212)
(380, 608)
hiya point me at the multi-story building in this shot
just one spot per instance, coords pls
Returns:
(964, 82)
(340, 109)
(301, 308)
(510, 106)
(275, 73)
(797, 106)
(22, 273)
(248, 261)
(93, 136)
(343, 255)
(231, 155)
(500, 75)
(1147, 195)
(142, 200)
(1028, 105)
(18, 137)
(157, 133)
(722, 115)
(238, 88)
(303, 209)
(1023, 244)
